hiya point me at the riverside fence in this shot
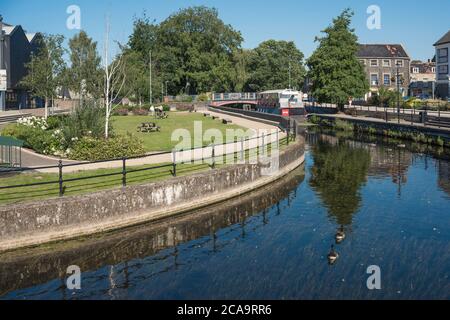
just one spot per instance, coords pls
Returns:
(178, 157)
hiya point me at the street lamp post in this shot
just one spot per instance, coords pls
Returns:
(2, 93)
(398, 91)
(150, 78)
(448, 93)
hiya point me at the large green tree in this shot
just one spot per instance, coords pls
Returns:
(46, 68)
(192, 51)
(84, 75)
(275, 65)
(334, 69)
(136, 78)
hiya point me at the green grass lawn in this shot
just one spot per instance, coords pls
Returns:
(84, 186)
(161, 141)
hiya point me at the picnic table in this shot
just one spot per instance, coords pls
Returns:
(147, 127)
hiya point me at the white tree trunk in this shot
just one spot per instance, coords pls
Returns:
(113, 83)
(46, 108)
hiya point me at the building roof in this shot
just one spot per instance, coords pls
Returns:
(445, 39)
(8, 29)
(424, 67)
(31, 36)
(381, 51)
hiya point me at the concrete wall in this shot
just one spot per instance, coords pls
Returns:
(60, 219)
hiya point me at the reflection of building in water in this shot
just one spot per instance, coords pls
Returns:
(444, 175)
(42, 265)
(386, 162)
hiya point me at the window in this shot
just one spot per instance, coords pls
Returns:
(363, 61)
(386, 63)
(399, 63)
(443, 72)
(374, 63)
(374, 79)
(443, 55)
(415, 70)
(433, 70)
(387, 79)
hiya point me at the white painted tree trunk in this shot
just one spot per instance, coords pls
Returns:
(46, 108)
(113, 82)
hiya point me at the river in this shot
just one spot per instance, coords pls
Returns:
(392, 204)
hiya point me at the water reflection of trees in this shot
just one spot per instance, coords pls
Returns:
(444, 175)
(339, 172)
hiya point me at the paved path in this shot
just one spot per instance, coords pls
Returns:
(376, 120)
(444, 114)
(31, 159)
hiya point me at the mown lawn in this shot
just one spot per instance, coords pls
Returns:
(72, 188)
(162, 141)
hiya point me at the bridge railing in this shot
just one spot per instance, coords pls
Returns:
(234, 96)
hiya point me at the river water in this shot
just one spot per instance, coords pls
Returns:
(392, 203)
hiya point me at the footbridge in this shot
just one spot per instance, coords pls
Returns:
(227, 99)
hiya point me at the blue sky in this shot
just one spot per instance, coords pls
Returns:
(415, 24)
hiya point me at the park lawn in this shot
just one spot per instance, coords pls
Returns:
(161, 141)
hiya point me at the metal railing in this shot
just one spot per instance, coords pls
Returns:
(177, 158)
(234, 96)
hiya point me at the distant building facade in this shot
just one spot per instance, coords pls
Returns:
(442, 66)
(423, 79)
(380, 62)
(17, 49)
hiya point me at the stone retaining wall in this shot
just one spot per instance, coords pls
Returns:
(51, 220)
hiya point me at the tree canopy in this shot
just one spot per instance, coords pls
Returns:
(194, 51)
(334, 69)
(269, 66)
(84, 75)
(46, 68)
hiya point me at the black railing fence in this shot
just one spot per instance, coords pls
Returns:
(178, 157)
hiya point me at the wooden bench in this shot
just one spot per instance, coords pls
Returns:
(227, 121)
(215, 117)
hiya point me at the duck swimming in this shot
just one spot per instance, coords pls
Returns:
(332, 256)
(340, 235)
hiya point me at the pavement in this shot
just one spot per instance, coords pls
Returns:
(444, 114)
(31, 159)
(395, 121)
